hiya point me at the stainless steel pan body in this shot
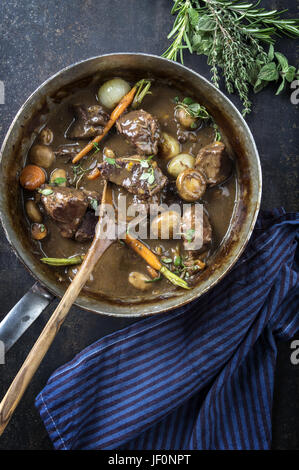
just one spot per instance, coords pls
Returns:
(17, 142)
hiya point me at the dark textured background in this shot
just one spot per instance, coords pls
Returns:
(38, 38)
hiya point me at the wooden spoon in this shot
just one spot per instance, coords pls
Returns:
(37, 353)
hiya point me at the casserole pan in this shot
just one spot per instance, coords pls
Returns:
(241, 146)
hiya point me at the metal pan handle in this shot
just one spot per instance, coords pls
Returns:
(23, 314)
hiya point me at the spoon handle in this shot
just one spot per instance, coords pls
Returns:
(43, 343)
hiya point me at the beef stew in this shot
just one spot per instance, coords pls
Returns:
(154, 134)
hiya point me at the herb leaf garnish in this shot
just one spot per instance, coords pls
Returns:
(59, 181)
(45, 192)
(93, 204)
(197, 111)
(79, 172)
(234, 34)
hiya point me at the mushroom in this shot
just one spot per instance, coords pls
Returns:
(42, 155)
(108, 153)
(38, 231)
(191, 185)
(46, 136)
(58, 177)
(33, 211)
(31, 177)
(139, 281)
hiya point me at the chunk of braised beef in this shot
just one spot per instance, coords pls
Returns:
(68, 151)
(189, 228)
(214, 162)
(193, 261)
(141, 129)
(87, 227)
(89, 121)
(133, 176)
(66, 206)
(93, 197)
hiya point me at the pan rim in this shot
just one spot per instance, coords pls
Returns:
(151, 308)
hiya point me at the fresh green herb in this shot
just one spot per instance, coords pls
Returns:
(276, 68)
(166, 260)
(155, 279)
(197, 111)
(45, 192)
(188, 267)
(79, 172)
(181, 31)
(93, 204)
(194, 109)
(217, 132)
(233, 35)
(143, 87)
(189, 235)
(42, 228)
(144, 163)
(59, 181)
(177, 261)
(173, 278)
(96, 146)
(111, 161)
(149, 176)
(63, 261)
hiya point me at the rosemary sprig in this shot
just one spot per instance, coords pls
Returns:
(180, 31)
(233, 35)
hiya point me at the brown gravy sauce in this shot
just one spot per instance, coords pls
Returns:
(110, 277)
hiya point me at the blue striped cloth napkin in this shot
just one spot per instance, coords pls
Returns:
(199, 377)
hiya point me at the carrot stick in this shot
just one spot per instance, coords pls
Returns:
(94, 174)
(152, 272)
(153, 261)
(120, 108)
(143, 251)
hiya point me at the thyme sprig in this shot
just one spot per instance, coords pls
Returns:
(198, 111)
(234, 37)
(78, 172)
(194, 109)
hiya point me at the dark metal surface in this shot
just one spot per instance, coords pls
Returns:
(38, 39)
